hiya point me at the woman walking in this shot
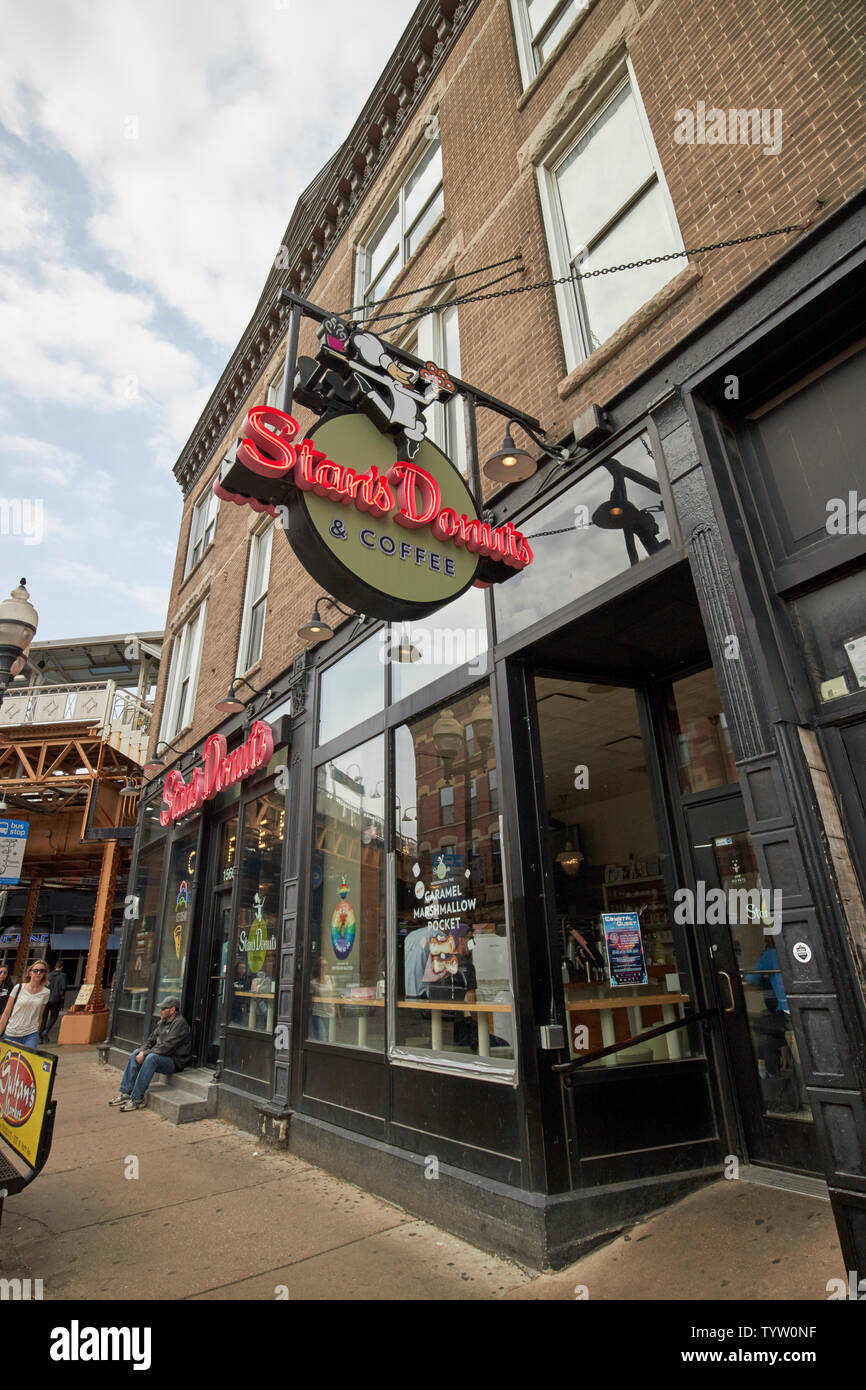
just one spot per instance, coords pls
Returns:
(23, 1013)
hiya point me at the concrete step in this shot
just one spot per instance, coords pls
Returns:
(179, 1106)
(182, 1097)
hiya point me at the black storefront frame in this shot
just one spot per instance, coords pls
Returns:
(165, 843)
(380, 1123)
(544, 1157)
(193, 1002)
(232, 1036)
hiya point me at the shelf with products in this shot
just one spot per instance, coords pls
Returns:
(647, 896)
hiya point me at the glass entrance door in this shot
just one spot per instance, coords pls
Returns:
(217, 974)
(742, 930)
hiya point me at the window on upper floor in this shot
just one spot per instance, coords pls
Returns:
(436, 338)
(255, 599)
(539, 25)
(410, 214)
(183, 676)
(202, 527)
(605, 204)
(275, 388)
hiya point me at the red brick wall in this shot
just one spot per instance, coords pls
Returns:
(807, 57)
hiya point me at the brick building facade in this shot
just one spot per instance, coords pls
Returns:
(576, 135)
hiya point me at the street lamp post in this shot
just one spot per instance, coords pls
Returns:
(18, 620)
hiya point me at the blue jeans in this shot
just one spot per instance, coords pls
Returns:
(138, 1075)
(30, 1040)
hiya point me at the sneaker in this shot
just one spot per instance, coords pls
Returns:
(120, 1099)
(133, 1105)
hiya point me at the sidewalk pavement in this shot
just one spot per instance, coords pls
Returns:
(131, 1205)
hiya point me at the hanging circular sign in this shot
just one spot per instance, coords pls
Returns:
(384, 558)
(392, 536)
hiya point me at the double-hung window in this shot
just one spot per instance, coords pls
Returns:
(437, 339)
(275, 388)
(202, 528)
(409, 217)
(183, 676)
(255, 599)
(606, 204)
(539, 26)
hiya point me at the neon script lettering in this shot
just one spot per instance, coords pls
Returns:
(220, 769)
(406, 490)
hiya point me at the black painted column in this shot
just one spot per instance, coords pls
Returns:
(781, 806)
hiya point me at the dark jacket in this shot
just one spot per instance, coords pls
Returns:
(171, 1040)
(56, 982)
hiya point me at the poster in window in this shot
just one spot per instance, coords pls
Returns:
(625, 954)
(343, 923)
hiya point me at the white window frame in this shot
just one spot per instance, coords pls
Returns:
(446, 423)
(202, 522)
(530, 62)
(182, 685)
(275, 389)
(263, 536)
(362, 263)
(574, 338)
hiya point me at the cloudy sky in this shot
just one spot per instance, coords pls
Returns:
(150, 158)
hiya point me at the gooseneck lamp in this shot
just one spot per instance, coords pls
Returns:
(317, 629)
(157, 762)
(511, 465)
(230, 702)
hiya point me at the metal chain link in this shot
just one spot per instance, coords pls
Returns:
(606, 270)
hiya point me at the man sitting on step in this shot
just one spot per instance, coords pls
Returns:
(167, 1050)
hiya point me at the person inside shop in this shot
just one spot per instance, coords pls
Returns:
(772, 1029)
(167, 1050)
(57, 986)
(323, 991)
(466, 1025)
(240, 987)
(22, 1016)
(263, 984)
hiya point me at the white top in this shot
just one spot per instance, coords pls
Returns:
(26, 1009)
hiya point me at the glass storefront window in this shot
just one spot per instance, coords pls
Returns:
(177, 921)
(254, 959)
(347, 901)
(624, 960)
(453, 983)
(421, 652)
(590, 533)
(352, 689)
(832, 627)
(139, 966)
(150, 822)
(700, 731)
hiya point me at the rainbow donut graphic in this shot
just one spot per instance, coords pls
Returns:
(343, 924)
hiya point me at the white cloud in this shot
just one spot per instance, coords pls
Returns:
(83, 343)
(155, 156)
(24, 217)
(38, 460)
(232, 108)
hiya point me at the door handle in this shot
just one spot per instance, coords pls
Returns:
(732, 1006)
